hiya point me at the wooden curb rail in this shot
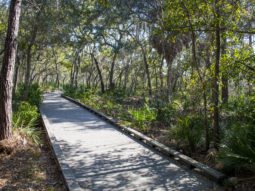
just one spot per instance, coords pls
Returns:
(202, 168)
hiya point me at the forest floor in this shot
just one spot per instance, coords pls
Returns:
(29, 167)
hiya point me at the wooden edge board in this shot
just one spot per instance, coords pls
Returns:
(69, 178)
(210, 172)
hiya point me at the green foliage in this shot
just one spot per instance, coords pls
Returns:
(238, 146)
(49, 87)
(26, 115)
(240, 110)
(188, 132)
(142, 117)
(25, 120)
(34, 95)
(32, 133)
(69, 90)
(166, 113)
(80, 92)
(117, 94)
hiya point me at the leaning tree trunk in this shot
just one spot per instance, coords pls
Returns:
(99, 73)
(6, 78)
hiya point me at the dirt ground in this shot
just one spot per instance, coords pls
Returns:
(30, 167)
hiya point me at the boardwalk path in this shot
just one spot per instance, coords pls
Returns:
(99, 157)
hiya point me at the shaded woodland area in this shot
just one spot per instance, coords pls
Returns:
(180, 71)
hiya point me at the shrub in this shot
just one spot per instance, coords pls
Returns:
(78, 93)
(26, 115)
(34, 95)
(25, 121)
(69, 91)
(31, 133)
(49, 87)
(240, 110)
(142, 117)
(238, 149)
(166, 114)
(238, 146)
(117, 94)
(188, 132)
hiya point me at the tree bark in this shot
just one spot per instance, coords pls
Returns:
(111, 83)
(100, 74)
(224, 79)
(76, 71)
(28, 72)
(72, 76)
(169, 81)
(126, 77)
(161, 76)
(147, 71)
(57, 81)
(29, 58)
(250, 85)
(215, 93)
(6, 78)
(195, 64)
(15, 78)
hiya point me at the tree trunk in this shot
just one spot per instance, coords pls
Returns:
(111, 83)
(76, 70)
(215, 94)
(57, 81)
(28, 72)
(99, 73)
(72, 76)
(224, 79)
(88, 79)
(156, 78)
(196, 65)
(147, 71)
(126, 77)
(250, 85)
(29, 58)
(161, 76)
(169, 81)
(15, 78)
(6, 78)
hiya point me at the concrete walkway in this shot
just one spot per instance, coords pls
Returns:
(99, 157)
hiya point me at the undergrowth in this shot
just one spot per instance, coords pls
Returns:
(26, 115)
(237, 151)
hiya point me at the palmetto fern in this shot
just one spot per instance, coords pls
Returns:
(238, 148)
